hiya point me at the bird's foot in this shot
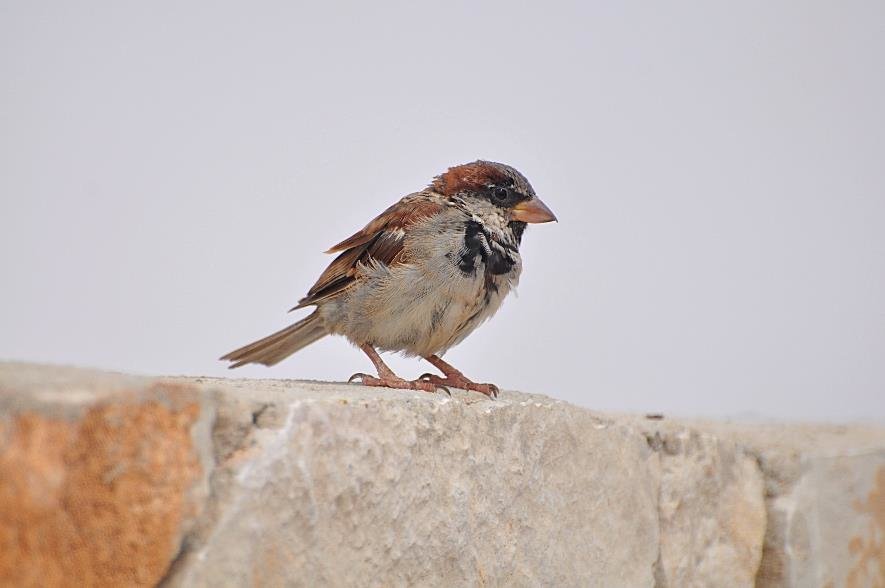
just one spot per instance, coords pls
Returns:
(459, 380)
(392, 381)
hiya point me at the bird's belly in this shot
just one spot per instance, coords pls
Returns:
(419, 310)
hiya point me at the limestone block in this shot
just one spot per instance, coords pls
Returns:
(112, 480)
(711, 507)
(825, 495)
(100, 476)
(341, 486)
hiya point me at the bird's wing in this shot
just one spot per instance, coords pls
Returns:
(381, 240)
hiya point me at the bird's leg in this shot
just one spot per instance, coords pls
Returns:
(456, 379)
(386, 378)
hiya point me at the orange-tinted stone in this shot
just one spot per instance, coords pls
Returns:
(96, 502)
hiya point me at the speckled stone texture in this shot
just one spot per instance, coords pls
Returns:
(114, 480)
(825, 502)
(101, 476)
(711, 509)
(345, 487)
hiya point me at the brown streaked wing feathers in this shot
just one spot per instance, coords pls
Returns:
(370, 231)
(380, 240)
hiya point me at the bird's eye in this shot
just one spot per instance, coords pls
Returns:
(500, 194)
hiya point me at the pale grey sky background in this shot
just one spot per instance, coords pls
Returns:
(171, 172)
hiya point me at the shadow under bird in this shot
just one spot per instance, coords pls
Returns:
(420, 277)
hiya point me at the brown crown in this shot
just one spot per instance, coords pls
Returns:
(469, 177)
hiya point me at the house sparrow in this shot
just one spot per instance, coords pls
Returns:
(420, 277)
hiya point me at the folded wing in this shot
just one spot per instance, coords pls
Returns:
(382, 240)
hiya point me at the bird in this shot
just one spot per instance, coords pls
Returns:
(419, 278)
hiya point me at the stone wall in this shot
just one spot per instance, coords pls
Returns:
(115, 480)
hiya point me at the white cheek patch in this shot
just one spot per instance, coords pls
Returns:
(489, 216)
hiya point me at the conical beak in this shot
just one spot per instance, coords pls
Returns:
(532, 211)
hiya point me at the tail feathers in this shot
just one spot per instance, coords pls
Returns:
(277, 347)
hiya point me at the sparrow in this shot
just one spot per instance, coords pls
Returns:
(420, 277)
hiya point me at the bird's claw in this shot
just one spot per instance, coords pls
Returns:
(358, 377)
(462, 382)
(429, 378)
(397, 383)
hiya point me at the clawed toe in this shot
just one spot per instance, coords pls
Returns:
(427, 382)
(395, 382)
(438, 383)
(462, 382)
(489, 390)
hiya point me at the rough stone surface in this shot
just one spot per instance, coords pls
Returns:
(825, 497)
(99, 477)
(348, 487)
(711, 509)
(115, 480)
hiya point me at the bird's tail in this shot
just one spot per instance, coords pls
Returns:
(277, 347)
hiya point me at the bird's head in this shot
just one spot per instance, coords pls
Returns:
(496, 195)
